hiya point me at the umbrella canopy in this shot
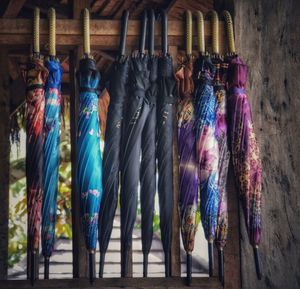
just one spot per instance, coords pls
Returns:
(222, 138)
(245, 151)
(165, 117)
(188, 179)
(207, 149)
(244, 147)
(148, 161)
(89, 166)
(111, 157)
(51, 153)
(35, 107)
(135, 118)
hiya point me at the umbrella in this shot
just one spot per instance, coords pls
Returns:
(51, 146)
(207, 149)
(188, 179)
(244, 147)
(224, 154)
(148, 160)
(35, 104)
(135, 118)
(111, 156)
(89, 164)
(165, 117)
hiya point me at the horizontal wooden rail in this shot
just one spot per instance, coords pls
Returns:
(104, 33)
(172, 282)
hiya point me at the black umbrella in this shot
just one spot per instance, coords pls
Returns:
(165, 115)
(111, 156)
(133, 125)
(148, 166)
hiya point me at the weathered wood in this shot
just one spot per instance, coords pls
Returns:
(104, 33)
(268, 39)
(13, 8)
(175, 249)
(4, 160)
(157, 283)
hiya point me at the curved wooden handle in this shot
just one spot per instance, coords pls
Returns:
(229, 31)
(52, 31)
(215, 31)
(36, 31)
(86, 32)
(188, 31)
(124, 28)
(200, 30)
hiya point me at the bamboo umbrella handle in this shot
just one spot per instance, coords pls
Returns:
(124, 28)
(52, 32)
(200, 29)
(215, 31)
(86, 32)
(189, 32)
(151, 32)
(229, 31)
(164, 33)
(143, 33)
(36, 31)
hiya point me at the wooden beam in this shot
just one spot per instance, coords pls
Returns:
(4, 160)
(104, 33)
(174, 282)
(13, 8)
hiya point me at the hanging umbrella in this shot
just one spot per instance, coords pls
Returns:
(207, 149)
(165, 117)
(188, 179)
(221, 134)
(51, 146)
(89, 157)
(35, 104)
(244, 147)
(111, 165)
(148, 160)
(133, 125)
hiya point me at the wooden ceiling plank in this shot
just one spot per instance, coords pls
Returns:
(13, 8)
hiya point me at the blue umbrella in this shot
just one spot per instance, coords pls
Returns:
(51, 148)
(207, 149)
(89, 156)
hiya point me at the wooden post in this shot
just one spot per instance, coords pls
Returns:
(175, 250)
(4, 160)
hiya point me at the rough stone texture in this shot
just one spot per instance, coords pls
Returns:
(268, 39)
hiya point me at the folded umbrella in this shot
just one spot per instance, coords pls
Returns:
(165, 117)
(244, 147)
(188, 179)
(207, 149)
(51, 147)
(35, 107)
(222, 138)
(89, 160)
(111, 157)
(148, 160)
(136, 114)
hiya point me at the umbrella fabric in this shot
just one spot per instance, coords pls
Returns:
(35, 101)
(207, 145)
(244, 148)
(148, 160)
(111, 156)
(224, 154)
(89, 158)
(188, 179)
(51, 154)
(165, 117)
(135, 119)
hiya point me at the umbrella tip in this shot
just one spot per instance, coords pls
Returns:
(145, 270)
(46, 267)
(92, 266)
(33, 268)
(211, 258)
(189, 268)
(257, 262)
(101, 267)
(221, 266)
